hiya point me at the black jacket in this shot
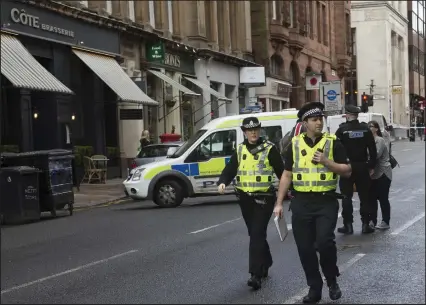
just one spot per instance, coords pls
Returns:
(359, 142)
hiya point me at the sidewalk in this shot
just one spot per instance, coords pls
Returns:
(97, 194)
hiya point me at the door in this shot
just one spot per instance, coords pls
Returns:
(207, 161)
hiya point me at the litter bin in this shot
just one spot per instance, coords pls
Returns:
(19, 194)
(56, 179)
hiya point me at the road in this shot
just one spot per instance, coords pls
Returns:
(197, 253)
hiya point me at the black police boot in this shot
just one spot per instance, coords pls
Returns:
(255, 282)
(265, 272)
(334, 290)
(313, 296)
(367, 229)
(346, 229)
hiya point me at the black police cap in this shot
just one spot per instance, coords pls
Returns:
(250, 123)
(351, 109)
(309, 110)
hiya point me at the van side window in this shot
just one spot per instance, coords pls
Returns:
(271, 133)
(218, 144)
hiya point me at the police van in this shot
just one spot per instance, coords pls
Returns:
(194, 168)
(334, 121)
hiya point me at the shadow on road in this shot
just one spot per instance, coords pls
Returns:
(152, 206)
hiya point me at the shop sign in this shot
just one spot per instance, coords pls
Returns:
(155, 52)
(159, 57)
(20, 16)
(31, 20)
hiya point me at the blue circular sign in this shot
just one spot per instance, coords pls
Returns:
(331, 95)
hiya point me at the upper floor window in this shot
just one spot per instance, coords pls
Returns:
(275, 64)
(170, 15)
(274, 10)
(151, 13)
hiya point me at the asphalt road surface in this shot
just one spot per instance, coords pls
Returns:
(198, 253)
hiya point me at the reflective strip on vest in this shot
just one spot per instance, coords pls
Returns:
(306, 179)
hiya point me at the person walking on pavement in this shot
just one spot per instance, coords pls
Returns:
(380, 180)
(253, 164)
(361, 150)
(313, 165)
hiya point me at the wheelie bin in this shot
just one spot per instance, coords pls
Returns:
(19, 194)
(56, 180)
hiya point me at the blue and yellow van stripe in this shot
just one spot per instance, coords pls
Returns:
(212, 167)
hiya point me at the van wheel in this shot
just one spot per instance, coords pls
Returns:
(168, 194)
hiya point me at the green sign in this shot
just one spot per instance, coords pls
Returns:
(155, 52)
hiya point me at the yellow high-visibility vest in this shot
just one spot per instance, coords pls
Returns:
(254, 174)
(308, 177)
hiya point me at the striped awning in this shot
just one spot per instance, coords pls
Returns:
(206, 88)
(23, 70)
(173, 83)
(111, 73)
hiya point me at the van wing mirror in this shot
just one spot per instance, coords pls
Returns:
(389, 128)
(171, 151)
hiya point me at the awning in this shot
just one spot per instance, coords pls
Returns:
(281, 82)
(23, 70)
(204, 87)
(173, 83)
(108, 69)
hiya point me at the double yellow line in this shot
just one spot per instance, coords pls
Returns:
(113, 202)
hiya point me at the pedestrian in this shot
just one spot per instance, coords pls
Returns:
(380, 180)
(144, 140)
(313, 165)
(361, 150)
(253, 164)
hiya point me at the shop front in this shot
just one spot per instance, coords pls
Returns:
(167, 82)
(275, 95)
(61, 82)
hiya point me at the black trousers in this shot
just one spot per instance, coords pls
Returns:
(314, 218)
(380, 191)
(361, 178)
(256, 217)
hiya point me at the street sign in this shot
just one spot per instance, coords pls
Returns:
(396, 89)
(331, 95)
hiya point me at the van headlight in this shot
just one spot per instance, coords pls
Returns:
(137, 174)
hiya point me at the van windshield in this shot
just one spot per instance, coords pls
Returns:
(188, 144)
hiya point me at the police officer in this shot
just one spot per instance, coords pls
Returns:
(361, 149)
(313, 164)
(253, 164)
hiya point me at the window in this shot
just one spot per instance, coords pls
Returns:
(415, 59)
(170, 15)
(188, 143)
(324, 25)
(353, 37)
(153, 151)
(421, 63)
(291, 13)
(151, 13)
(108, 7)
(218, 144)
(275, 105)
(84, 3)
(131, 5)
(275, 68)
(272, 133)
(319, 32)
(415, 22)
(348, 34)
(274, 10)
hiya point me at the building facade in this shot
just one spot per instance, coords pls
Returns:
(416, 58)
(381, 48)
(62, 64)
(296, 40)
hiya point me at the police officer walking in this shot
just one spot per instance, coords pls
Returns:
(313, 164)
(361, 149)
(254, 164)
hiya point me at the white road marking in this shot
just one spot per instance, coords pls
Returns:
(67, 272)
(302, 293)
(215, 226)
(408, 224)
(407, 149)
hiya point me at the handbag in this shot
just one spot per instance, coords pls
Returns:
(393, 161)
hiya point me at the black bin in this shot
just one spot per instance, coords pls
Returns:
(56, 178)
(19, 194)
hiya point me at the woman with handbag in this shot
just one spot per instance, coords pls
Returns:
(380, 180)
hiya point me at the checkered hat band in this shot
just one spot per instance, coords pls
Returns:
(251, 125)
(312, 112)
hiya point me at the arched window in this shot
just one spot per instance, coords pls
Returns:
(276, 64)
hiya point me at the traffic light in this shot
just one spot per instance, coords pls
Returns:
(370, 100)
(364, 102)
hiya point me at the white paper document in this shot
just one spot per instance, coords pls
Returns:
(281, 225)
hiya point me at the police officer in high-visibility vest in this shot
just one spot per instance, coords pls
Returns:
(254, 164)
(313, 165)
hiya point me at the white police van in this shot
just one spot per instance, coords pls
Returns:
(194, 168)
